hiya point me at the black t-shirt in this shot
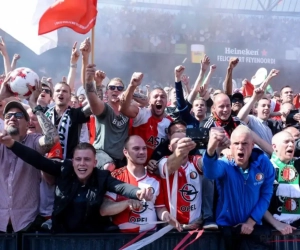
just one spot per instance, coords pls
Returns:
(77, 118)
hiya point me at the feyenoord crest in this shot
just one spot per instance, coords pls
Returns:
(259, 176)
(289, 173)
(291, 204)
(193, 175)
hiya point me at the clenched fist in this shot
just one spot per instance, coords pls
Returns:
(233, 62)
(136, 79)
(99, 76)
(217, 137)
(205, 63)
(184, 146)
(178, 72)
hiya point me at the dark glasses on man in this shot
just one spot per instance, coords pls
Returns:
(112, 87)
(18, 115)
(47, 91)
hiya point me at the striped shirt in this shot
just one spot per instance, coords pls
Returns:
(210, 122)
(19, 187)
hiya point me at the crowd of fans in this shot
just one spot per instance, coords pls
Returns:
(118, 159)
(158, 27)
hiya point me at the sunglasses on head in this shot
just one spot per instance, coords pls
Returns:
(112, 87)
(47, 91)
(18, 115)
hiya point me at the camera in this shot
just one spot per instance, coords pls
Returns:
(199, 135)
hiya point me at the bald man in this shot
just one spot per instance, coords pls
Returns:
(221, 115)
(133, 216)
(244, 184)
(285, 201)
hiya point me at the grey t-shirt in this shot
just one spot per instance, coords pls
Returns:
(261, 128)
(111, 132)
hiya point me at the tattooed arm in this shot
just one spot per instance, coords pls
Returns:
(49, 131)
(141, 99)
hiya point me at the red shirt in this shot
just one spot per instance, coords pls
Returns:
(147, 214)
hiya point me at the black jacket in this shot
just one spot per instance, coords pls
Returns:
(67, 186)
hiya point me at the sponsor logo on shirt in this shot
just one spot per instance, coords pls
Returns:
(188, 192)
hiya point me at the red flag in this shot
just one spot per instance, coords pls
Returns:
(78, 15)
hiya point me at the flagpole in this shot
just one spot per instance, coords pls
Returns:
(93, 45)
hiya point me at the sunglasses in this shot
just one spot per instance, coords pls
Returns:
(112, 87)
(17, 115)
(47, 91)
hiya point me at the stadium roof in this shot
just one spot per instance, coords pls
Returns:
(277, 7)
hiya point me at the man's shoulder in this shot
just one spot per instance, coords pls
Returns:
(119, 173)
(208, 122)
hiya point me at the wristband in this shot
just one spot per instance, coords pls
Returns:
(73, 65)
(38, 108)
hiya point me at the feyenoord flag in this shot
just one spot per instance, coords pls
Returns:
(78, 15)
(20, 19)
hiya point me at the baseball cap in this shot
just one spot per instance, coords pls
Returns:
(237, 96)
(15, 104)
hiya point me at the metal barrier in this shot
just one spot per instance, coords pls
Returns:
(8, 241)
(208, 241)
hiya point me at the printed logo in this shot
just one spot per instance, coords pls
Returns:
(143, 209)
(193, 175)
(289, 174)
(259, 176)
(291, 205)
(188, 192)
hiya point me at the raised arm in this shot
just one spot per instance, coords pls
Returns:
(73, 67)
(206, 82)
(228, 78)
(85, 48)
(97, 106)
(127, 107)
(31, 156)
(244, 112)
(186, 83)
(50, 134)
(142, 100)
(14, 61)
(6, 61)
(266, 147)
(212, 167)
(273, 73)
(99, 77)
(203, 67)
(4, 89)
(175, 160)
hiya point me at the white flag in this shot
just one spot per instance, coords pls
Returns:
(20, 19)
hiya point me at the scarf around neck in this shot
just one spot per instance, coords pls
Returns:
(288, 190)
(62, 128)
(228, 125)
